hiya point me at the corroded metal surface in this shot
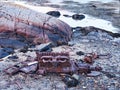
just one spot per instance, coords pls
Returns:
(40, 27)
(52, 62)
(61, 63)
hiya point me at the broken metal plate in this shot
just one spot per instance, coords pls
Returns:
(11, 70)
(29, 69)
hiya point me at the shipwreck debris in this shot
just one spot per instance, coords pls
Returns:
(31, 68)
(11, 70)
(25, 66)
(61, 63)
(54, 62)
(90, 57)
(51, 62)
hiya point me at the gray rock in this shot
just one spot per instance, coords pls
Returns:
(42, 47)
(5, 52)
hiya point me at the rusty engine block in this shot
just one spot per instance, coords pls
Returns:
(53, 62)
(50, 62)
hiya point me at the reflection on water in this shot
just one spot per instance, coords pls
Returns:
(88, 21)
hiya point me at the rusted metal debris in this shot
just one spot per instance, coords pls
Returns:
(24, 66)
(51, 62)
(61, 63)
(90, 57)
(34, 26)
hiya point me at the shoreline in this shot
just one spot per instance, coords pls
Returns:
(84, 39)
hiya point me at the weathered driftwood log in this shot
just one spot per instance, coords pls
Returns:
(39, 27)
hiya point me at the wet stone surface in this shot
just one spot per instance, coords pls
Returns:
(54, 13)
(78, 16)
(5, 52)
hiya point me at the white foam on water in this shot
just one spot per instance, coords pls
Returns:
(90, 21)
(87, 21)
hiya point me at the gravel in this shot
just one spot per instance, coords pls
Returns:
(100, 43)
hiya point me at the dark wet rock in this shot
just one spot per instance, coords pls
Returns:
(13, 57)
(94, 6)
(75, 16)
(12, 43)
(13, 40)
(91, 34)
(65, 15)
(80, 53)
(70, 81)
(5, 52)
(109, 75)
(76, 28)
(8, 50)
(99, 36)
(54, 13)
(42, 47)
(24, 50)
(116, 35)
(78, 17)
(90, 30)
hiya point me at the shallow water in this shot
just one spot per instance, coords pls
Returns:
(80, 1)
(88, 21)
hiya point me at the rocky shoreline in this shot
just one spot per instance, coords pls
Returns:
(86, 44)
(85, 39)
(109, 11)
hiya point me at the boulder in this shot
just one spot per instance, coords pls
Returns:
(54, 13)
(78, 16)
(38, 27)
